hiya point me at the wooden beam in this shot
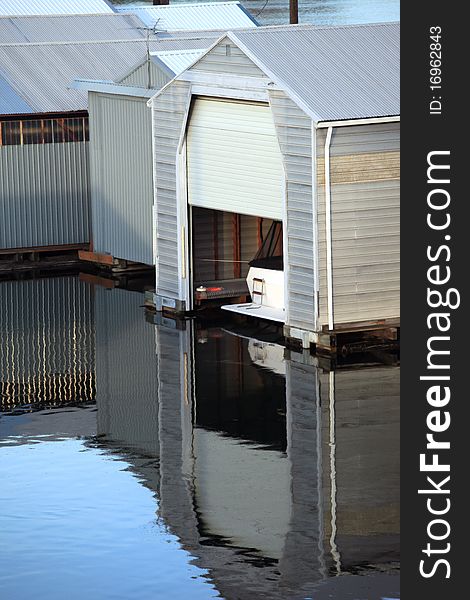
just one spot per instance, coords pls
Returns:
(294, 11)
(96, 257)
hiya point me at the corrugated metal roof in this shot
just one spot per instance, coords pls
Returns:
(334, 73)
(69, 28)
(10, 100)
(43, 73)
(173, 45)
(53, 7)
(187, 43)
(179, 60)
(177, 17)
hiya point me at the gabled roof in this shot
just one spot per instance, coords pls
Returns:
(168, 62)
(334, 73)
(181, 17)
(176, 46)
(53, 7)
(69, 28)
(177, 61)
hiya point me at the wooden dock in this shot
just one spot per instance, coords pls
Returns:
(20, 260)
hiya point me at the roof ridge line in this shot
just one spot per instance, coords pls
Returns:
(288, 26)
(65, 15)
(73, 43)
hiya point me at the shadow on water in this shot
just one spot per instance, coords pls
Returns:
(277, 476)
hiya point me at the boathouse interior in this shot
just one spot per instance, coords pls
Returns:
(223, 245)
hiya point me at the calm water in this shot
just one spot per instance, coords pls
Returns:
(143, 461)
(318, 12)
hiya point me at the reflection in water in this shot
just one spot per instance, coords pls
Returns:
(269, 473)
(126, 377)
(47, 345)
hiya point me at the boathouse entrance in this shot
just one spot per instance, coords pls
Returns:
(223, 245)
(235, 187)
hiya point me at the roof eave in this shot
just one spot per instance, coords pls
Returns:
(324, 124)
(110, 87)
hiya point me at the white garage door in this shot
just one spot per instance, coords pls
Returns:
(234, 161)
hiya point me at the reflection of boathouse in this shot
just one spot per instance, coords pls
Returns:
(126, 378)
(46, 343)
(261, 460)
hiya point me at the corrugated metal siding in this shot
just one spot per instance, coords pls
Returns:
(200, 16)
(139, 77)
(53, 7)
(326, 68)
(295, 140)
(44, 195)
(121, 176)
(169, 110)
(226, 57)
(126, 371)
(47, 351)
(365, 231)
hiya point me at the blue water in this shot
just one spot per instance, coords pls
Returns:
(143, 461)
(77, 524)
(318, 12)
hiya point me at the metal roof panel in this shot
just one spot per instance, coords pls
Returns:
(336, 73)
(11, 101)
(54, 7)
(43, 73)
(181, 17)
(69, 28)
(178, 60)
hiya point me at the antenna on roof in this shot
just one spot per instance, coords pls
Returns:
(149, 67)
(148, 31)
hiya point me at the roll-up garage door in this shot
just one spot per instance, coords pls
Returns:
(233, 157)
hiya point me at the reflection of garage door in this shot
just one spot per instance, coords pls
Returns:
(234, 161)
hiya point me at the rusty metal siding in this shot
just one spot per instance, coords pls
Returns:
(121, 176)
(44, 195)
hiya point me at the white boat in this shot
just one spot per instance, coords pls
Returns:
(265, 281)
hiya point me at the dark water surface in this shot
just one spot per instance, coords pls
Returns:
(317, 12)
(141, 461)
